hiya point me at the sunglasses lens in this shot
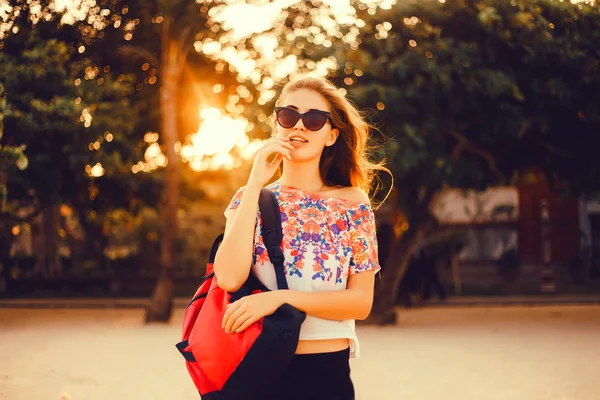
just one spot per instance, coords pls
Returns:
(314, 120)
(287, 118)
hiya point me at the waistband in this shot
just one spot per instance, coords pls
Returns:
(345, 354)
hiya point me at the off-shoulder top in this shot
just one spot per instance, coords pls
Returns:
(325, 240)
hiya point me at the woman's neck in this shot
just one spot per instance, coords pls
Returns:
(302, 176)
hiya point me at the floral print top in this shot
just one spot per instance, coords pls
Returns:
(325, 240)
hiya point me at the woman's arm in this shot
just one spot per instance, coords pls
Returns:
(234, 257)
(352, 303)
(355, 302)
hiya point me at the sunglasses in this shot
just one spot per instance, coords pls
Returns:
(313, 120)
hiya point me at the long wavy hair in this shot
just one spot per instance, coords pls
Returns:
(347, 162)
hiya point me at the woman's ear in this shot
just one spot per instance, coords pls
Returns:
(333, 135)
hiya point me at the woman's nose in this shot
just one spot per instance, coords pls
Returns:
(300, 125)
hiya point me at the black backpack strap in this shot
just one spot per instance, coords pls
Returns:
(272, 233)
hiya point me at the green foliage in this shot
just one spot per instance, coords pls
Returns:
(11, 157)
(57, 115)
(68, 113)
(87, 93)
(477, 91)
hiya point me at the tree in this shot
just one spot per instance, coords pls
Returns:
(162, 34)
(69, 116)
(11, 158)
(473, 93)
(159, 37)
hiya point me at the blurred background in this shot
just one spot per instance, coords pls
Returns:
(126, 126)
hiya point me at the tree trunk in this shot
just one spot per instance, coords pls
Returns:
(398, 259)
(51, 224)
(161, 305)
(6, 236)
(6, 240)
(95, 244)
(44, 232)
(397, 263)
(37, 245)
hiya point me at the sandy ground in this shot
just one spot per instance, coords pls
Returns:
(493, 353)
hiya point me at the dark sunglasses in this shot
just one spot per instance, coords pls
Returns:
(313, 120)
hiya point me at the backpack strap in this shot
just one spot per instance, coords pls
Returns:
(272, 233)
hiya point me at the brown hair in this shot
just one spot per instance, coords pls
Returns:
(346, 162)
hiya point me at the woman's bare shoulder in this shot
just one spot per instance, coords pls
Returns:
(351, 193)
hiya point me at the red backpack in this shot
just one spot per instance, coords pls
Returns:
(242, 365)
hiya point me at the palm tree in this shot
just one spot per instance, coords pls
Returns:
(167, 49)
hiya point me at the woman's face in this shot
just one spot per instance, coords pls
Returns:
(308, 144)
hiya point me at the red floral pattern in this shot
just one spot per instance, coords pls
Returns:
(325, 239)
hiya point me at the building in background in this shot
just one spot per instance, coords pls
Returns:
(508, 250)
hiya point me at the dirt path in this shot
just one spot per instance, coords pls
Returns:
(513, 353)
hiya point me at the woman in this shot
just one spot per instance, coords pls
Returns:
(329, 241)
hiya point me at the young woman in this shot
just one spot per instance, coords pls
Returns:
(329, 240)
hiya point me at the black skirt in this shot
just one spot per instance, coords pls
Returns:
(318, 376)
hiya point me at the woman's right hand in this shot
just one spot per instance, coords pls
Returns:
(262, 168)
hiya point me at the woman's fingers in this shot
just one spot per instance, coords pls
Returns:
(240, 321)
(283, 151)
(287, 144)
(232, 313)
(282, 142)
(277, 160)
(237, 318)
(246, 324)
(277, 148)
(264, 164)
(279, 139)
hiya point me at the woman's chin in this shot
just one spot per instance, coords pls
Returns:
(300, 156)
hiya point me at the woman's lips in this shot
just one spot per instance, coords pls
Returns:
(297, 144)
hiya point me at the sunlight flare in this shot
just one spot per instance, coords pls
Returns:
(221, 142)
